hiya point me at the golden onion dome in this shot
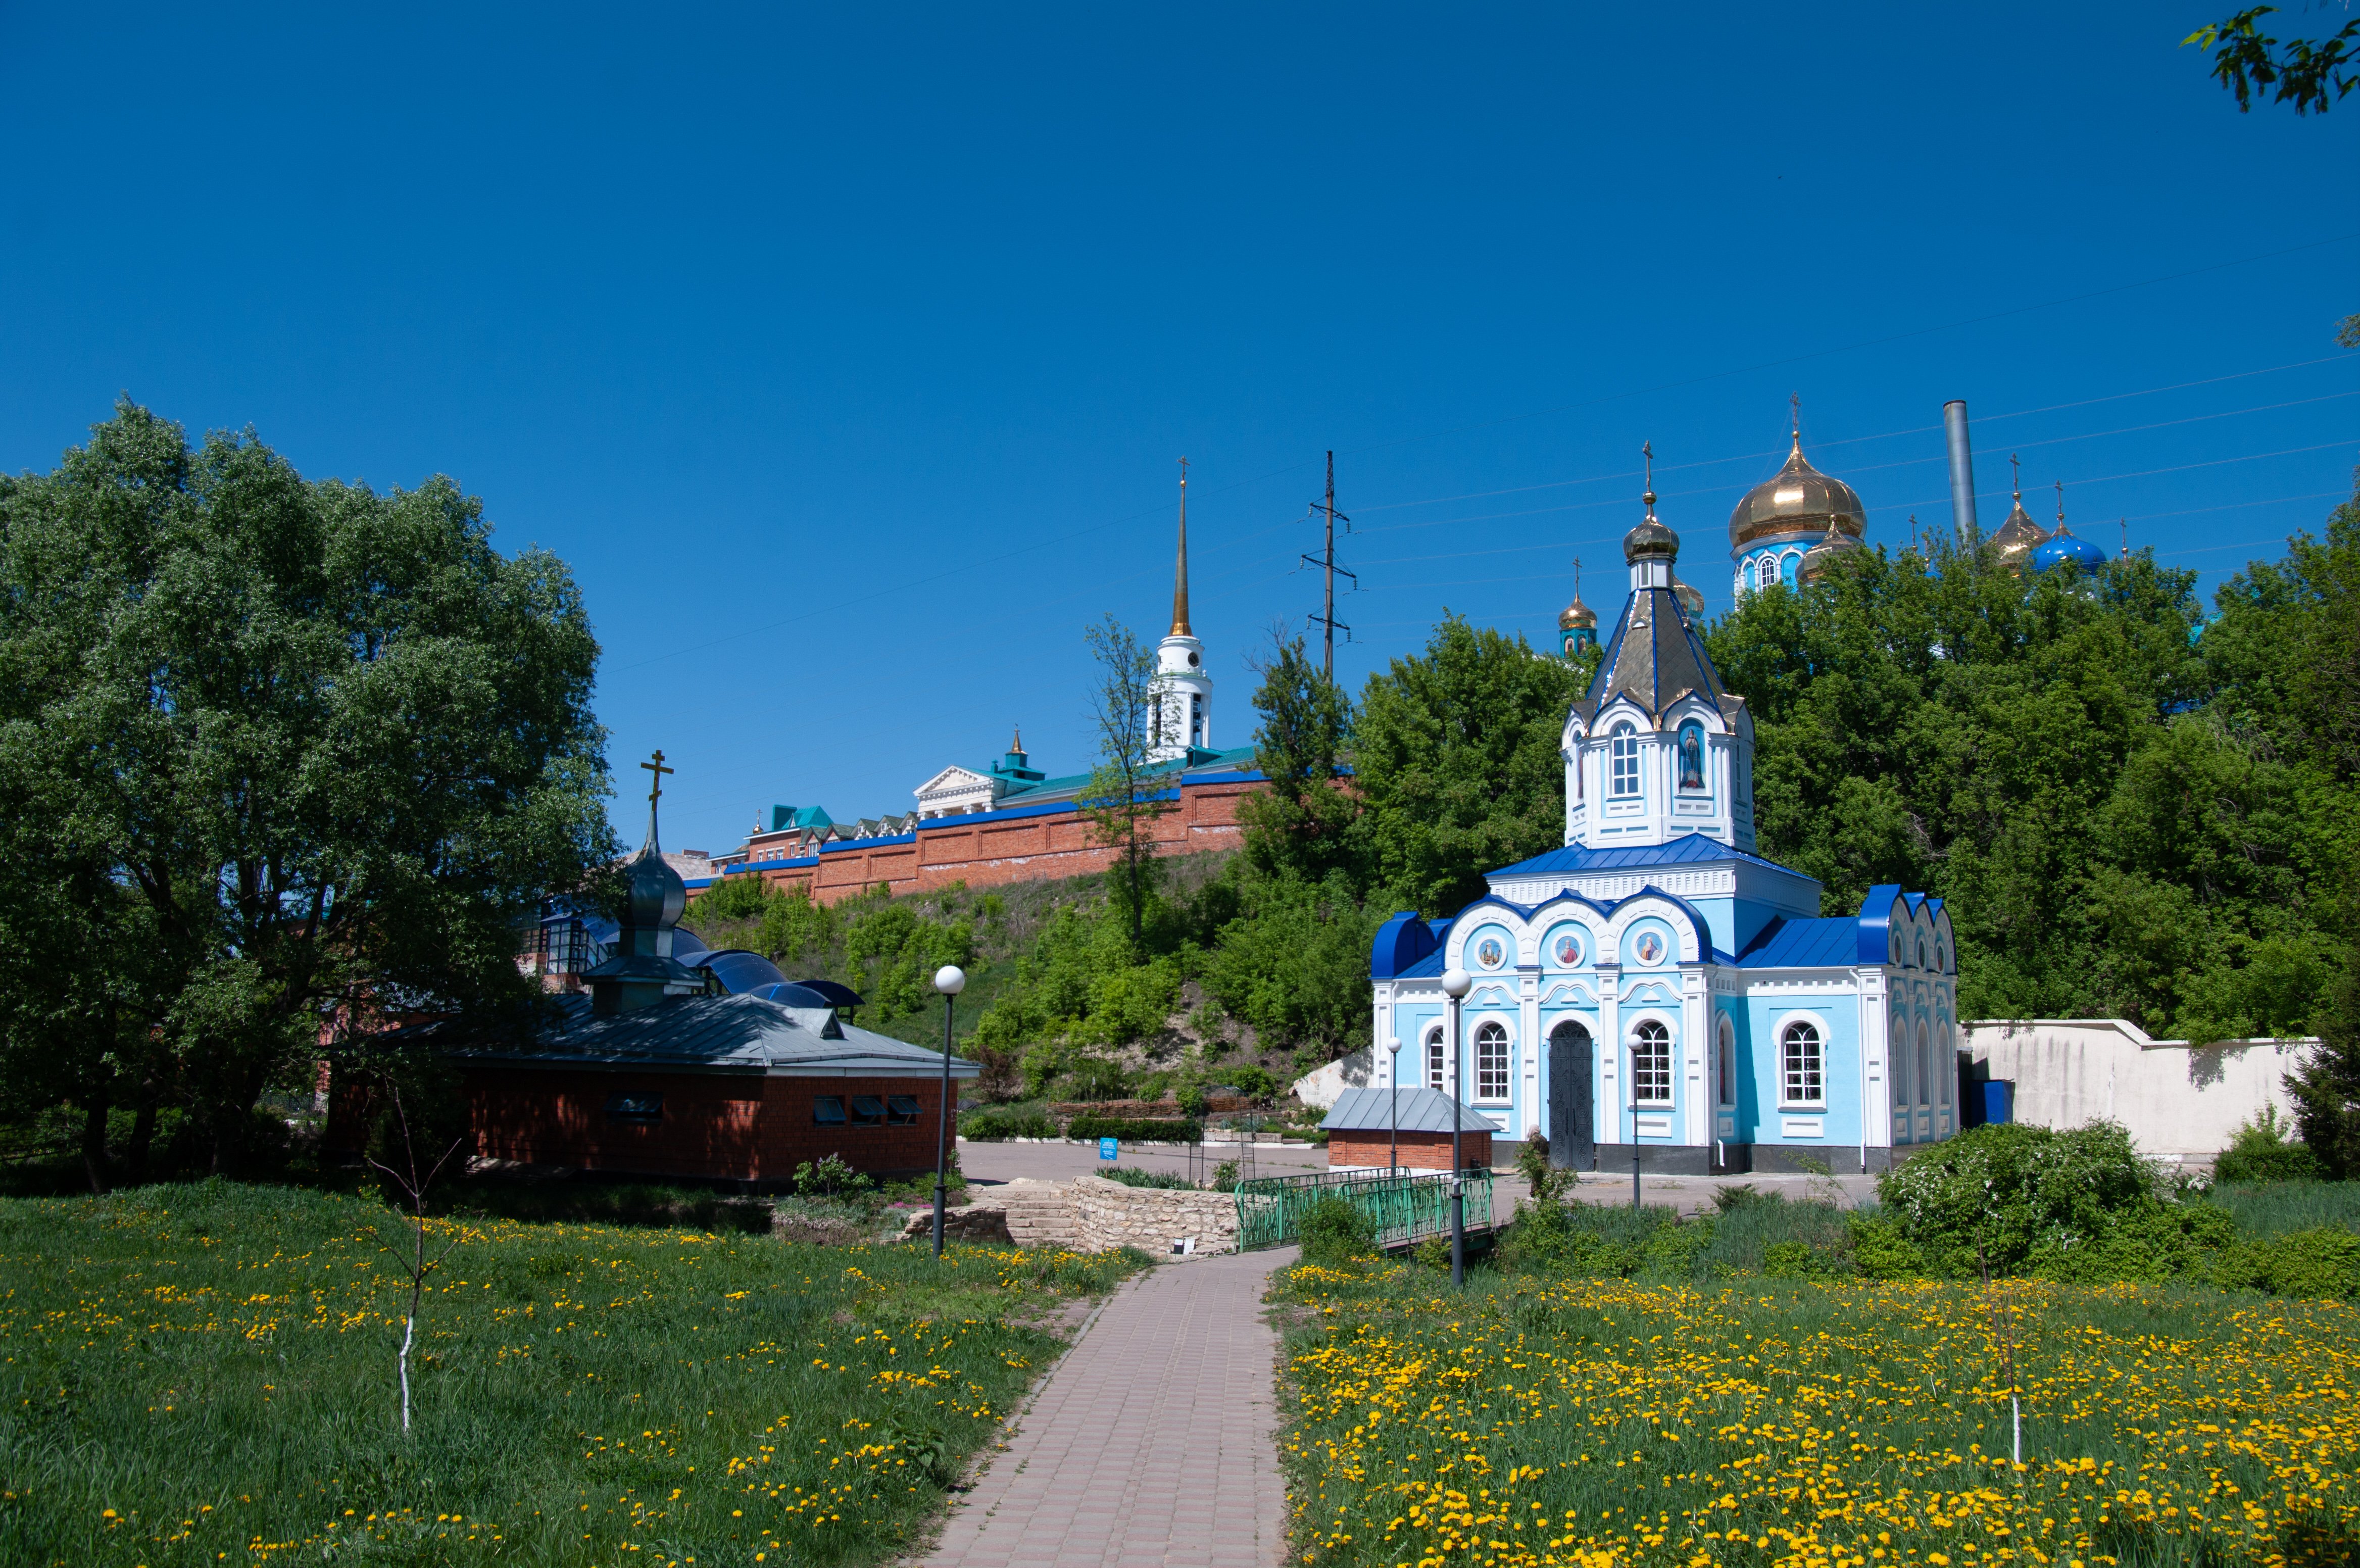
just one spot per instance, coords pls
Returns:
(1576, 616)
(1799, 499)
(1832, 547)
(2015, 540)
(1691, 599)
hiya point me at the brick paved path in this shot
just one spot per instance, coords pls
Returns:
(1153, 1444)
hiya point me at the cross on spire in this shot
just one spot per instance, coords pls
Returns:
(1794, 406)
(658, 770)
(2060, 506)
(1577, 576)
(1648, 450)
(2015, 478)
(1180, 627)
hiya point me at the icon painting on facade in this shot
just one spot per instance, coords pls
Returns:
(1489, 953)
(1651, 948)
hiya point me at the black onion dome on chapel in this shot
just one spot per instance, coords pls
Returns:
(1799, 499)
(1655, 656)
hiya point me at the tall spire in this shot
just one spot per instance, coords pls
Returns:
(1180, 572)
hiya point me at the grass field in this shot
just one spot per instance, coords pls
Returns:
(1547, 1421)
(206, 1376)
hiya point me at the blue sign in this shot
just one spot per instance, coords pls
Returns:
(1108, 1148)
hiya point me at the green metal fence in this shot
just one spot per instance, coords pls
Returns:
(1405, 1207)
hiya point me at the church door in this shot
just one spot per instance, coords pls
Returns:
(1573, 1124)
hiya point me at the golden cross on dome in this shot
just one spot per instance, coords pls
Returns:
(2060, 504)
(2015, 476)
(658, 769)
(1795, 403)
(1577, 576)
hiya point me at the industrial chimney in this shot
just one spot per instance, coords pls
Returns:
(1963, 470)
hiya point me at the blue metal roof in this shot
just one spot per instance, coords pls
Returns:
(1689, 848)
(1426, 967)
(1831, 943)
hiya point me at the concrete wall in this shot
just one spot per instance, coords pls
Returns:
(2176, 1099)
(1090, 1213)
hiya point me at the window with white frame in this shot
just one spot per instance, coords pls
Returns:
(1434, 1063)
(1491, 1062)
(1728, 1063)
(1624, 749)
(1768, 569)
(1802, 1066)
(1650, 1064)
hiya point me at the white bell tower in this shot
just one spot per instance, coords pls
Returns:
(1180, 710)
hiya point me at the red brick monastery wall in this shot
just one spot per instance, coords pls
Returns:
(717, 1127)
(982, 852)
(1418, 1151)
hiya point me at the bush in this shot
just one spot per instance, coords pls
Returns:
(1612, 1244)
(1225, 1176)
(830, 1178)
(996, 1123)
(1159, 1179)
(2263, 1152)
(2315, 1265)
(2027, 1200)
(1135, 1129)
(1334, 1230)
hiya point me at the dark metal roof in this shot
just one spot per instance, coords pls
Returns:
(713, 1034)
(738, 971)
(1655, 658)
(1419, 1110)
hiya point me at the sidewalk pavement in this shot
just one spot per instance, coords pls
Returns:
(1152, 1443)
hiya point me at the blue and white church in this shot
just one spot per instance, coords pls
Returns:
(1655, 989)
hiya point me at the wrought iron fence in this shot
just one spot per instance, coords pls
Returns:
(1405, 1207)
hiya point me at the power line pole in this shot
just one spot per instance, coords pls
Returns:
(1326, 562)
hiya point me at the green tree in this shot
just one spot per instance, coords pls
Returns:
(2310, 75)
(1458, 760)
(1304, 824)
(334, 744)
(1124, 799)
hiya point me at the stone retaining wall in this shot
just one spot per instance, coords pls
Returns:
(1093, 1214)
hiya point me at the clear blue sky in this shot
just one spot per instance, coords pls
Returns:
(847, 353)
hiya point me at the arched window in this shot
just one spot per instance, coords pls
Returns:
(1802, 1075)
(1897, 1047)
(1650, 1064)
(1930, 1080)
(1728, 1063)
(1434, 1063)
(1692, 755)
(1625, 750)
(1941, 958)
(1922, 952)
(1786, 566)
(1766, 570)
(1491, 1062)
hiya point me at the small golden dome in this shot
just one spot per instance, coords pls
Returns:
(1577, 616)
(1799, 499)
(1833, 546)
(1691, 599)
(2015, 540)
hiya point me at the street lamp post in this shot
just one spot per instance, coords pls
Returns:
(1634, 1123)
(1393, 1149)
(1455, 985)
(950, 980)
